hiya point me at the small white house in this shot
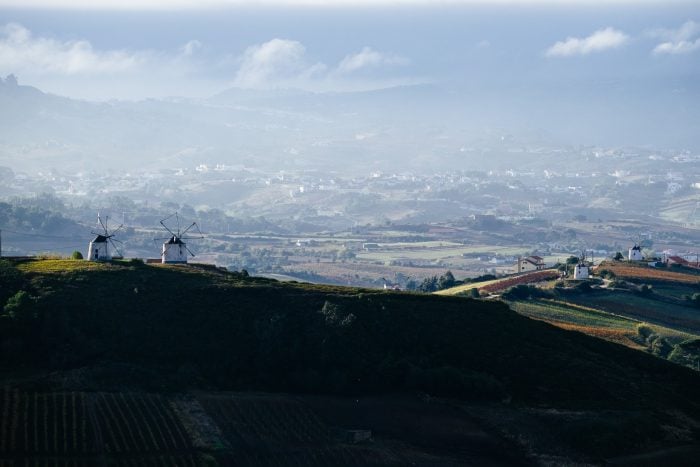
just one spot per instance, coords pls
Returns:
(98, 250)
(174, 251)
(581, 271)
(635, 253)
(531, 263)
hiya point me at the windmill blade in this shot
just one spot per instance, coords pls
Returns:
(114, 232)
(99, 219)
(193, 224)
(115, 240)
(190, 251)
(166, 227)
(177, 218)
(116, 248)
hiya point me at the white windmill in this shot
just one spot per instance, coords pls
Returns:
(175, 250)
(582, 270)
(99, 247)
(635, 252)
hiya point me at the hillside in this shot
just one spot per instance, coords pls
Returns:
(654, 309)
(122, 330)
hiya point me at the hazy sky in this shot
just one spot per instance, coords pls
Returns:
(153, 48)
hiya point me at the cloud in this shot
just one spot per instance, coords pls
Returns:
(275, 61)
(599, 41)
(678, 41)
(190, 48)
(284, 62)
(676, 48)
(368, 58)
(20, 50)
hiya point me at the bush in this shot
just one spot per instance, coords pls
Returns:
(523, 292)
(19, 307)
(644, 330)
(76, 255)
(482, 278)
(607, 274)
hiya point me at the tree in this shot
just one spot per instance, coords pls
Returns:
(618, 256)
(446, 281)
(429, 284)
(76, 255)
(572, 260)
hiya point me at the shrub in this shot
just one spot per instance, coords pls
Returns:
(19, 307)
(76, 255)
(523, 292)
(482, 278)
(607, 274)
(644, 330)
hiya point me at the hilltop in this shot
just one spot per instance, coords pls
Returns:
(127, 327)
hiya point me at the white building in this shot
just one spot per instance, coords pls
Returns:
(98, 250)
(531, 263)
(635, 253)
(581, 271)
(174, 251)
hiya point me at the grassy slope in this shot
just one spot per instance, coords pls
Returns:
(231, 332)
(133, 327)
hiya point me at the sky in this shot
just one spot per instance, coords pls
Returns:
(129, 49)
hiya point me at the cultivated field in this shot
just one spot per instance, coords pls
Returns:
(642, 272)
(139, 429)
(499, 285)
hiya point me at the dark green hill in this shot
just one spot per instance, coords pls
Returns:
(139, 325)
(124, 335)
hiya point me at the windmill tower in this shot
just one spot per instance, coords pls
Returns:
(582, 270)
(635, 253)
(175, 249)
(99, 247)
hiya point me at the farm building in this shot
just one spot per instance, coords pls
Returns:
(174, 251)
(98, 249)
(635, 253)
(530, 263)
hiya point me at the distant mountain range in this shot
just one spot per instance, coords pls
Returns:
(411, 128)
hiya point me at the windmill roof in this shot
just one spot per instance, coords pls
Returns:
(100, 239)
(175, 241)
